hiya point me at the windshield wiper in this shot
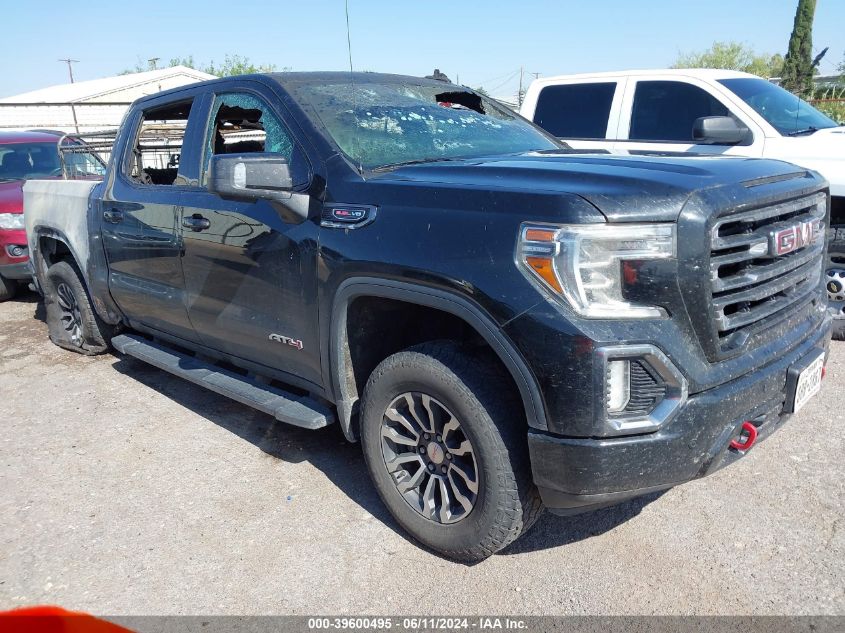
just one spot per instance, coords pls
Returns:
(804, 132)
(417, 161)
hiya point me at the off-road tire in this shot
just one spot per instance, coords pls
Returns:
(8, 288)
(475, 391)
(836, 261)
(93, 335)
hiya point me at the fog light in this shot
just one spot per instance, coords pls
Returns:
(640, 388)
(16, 251)
(618, 385)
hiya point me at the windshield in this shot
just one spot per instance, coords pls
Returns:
(23, 161)
(395, 123)
(784, 111)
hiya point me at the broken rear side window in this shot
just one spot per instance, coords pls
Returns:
(158, 145)
(380, 125)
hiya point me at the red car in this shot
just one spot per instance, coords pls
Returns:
(24, 155)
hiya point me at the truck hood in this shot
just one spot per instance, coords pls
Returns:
(623, 188)
(11, 196)
(835, 132)
(823, 151)
(825, 144)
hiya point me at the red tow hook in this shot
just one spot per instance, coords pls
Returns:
(750, 437)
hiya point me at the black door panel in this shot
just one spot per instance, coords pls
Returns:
(143, 243)
(250, 275)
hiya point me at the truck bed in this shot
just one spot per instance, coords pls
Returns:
(60, 207)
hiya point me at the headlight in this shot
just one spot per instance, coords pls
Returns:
(583, 263)
(11, 221)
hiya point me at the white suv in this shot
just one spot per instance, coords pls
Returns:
(700, 111)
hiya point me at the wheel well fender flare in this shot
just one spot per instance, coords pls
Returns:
(335, 357)
(37, 257)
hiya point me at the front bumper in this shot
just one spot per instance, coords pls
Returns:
(19, 271)
(13, 267)
(581, 474)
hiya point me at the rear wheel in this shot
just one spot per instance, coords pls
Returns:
(445, 443)
(8, 288)
(71, 320)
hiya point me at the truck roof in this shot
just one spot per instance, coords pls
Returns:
(291, 79)
(701, 73)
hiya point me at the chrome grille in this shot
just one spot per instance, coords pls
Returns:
(751, 286)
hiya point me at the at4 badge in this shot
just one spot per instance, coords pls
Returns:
(293, 342)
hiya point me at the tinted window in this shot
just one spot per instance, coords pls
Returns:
(575, 111)
(29, 160)
(20, 161)
(787, 113)
(666, 110)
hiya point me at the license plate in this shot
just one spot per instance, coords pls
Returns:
(809, 383)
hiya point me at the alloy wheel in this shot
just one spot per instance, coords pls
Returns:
(70, 318)
(429, 457)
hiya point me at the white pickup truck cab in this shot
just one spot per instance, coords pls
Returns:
(656, 111)
(702, 111)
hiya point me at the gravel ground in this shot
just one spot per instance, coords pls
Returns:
(128, 491)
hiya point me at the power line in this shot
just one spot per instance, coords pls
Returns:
(509, 78)
(497, 77)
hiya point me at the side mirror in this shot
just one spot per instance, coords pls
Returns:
(719, 130)
(250, 177)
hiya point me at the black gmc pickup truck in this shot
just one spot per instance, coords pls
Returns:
(503, 323)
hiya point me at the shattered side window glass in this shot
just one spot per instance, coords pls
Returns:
(242, 123)
(386, 124)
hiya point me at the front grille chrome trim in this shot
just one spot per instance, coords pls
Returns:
(751, 287)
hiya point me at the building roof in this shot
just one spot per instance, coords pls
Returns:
(100, 89)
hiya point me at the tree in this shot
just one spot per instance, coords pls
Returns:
(236, 65)
(232, 65)
(732, 56)
(797, 74)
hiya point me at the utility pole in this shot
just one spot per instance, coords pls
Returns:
(70, 63)
(519, 94)
(536, 75)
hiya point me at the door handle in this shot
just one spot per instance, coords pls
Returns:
(113, 216)
(196, 222)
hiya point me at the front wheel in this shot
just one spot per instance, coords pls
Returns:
(8, 288)
(444, 439)
(71, 320)
(835, 282)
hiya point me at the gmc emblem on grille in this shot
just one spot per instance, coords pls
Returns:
(791, 239)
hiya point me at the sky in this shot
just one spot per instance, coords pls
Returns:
(474, 42)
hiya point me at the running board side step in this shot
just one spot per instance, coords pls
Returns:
(286, 407)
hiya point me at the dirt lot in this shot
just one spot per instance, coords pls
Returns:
(127, 491)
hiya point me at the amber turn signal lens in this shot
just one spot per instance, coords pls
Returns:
(539, 235)
(543, 267)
